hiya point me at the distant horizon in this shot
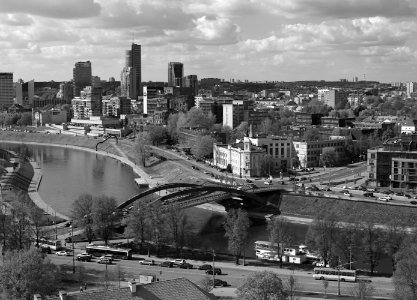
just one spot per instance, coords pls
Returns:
(246, 40)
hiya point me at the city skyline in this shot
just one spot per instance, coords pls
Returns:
(246, 40)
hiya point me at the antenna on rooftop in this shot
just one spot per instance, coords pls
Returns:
(133, 37)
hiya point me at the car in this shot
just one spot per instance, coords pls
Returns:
(408, 196)
(186, 266)
(385, 198)
(217, 271)
(205, 267)
(249, 181)
(218, 282)
(267, 182)
(386, 192)
(205, 172)
(368, 194)
(166, 264)
(303, 178)
(178, 261)
(148, 262)
(104, 261)
(84, 257)
(326, 189)
(63, 253)
(399, 194)
(253, 186)
(413, 202)
(347, 194)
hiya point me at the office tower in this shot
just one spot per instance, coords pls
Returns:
(411, 88)
(175, 74)
(191, 81)
(131, 76)
(95, 81)
(19, 92)
(128, 83)
(82, 76)
(6, 90)
(31, 91)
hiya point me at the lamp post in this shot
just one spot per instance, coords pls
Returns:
(214, 274)
(73, 250)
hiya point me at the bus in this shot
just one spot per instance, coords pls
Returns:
(334, 274)
(95, 250)
(54, 245)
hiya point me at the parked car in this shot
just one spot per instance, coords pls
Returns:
(84, 257)
(368, 194)
(218, 282)
(267, 182)
(399, 194)
(408, 196)
(326, 189)
(63, 253)
(413, 202)
(104, 260)
(205, 267)
(217, 271)
(149, 262)
(186, 266)
(347, 194)
(166, 264)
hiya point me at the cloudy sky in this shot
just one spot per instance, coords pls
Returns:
(243, 39)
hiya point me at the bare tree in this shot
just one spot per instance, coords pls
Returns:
(138, 225)
(236, 225)
(405, 275)
(157, 226)
(325, 286)
(280, 233)
(291, 286)
(142, 147)
(177, 226)
(82, 213)
(363, 291)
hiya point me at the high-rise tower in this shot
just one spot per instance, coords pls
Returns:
(81, 76)
(6, 89)
(131, 77)
(175, 74)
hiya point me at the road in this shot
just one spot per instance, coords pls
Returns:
(233, 274)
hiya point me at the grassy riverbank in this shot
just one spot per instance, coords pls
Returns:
(344, 210)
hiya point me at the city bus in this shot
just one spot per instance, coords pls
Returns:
(334, 274)
(95, 250)
(54, 245)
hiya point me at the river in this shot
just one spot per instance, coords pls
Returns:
(68, 173)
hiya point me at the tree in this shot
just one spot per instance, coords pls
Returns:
(362, 291)
(265, 285)
(280, 233)
(203, 147)
(177, 226)
(405, 275)
(322, 235)
(371, 242)
(325, 286)
(236, 226)
(157, 226)
(265, 126)
(172, 127)
(82, 214)
(311, 134)
(25, 119)
(328, 157)
(137, 224)
(26, 273)
(142, 147)
(104, 216)
(267, 164)
(157, 134)
(291, 287)
(196, 117)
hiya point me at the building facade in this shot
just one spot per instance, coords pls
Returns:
(191, 82)
(243, 158)
(6, 89)
(335, 98)
(81, 76)
(88, 104)
(175, 74)
(411, 88)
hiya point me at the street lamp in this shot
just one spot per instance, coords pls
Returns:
(214, 276)
(73, 249)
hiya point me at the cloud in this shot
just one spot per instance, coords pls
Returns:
(17, 20)
(335, 35)
(61, 9)
(214, 29)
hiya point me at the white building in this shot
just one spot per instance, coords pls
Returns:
(411, 88)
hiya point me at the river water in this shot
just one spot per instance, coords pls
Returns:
(68, 173)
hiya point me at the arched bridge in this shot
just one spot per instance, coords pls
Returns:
(184, 195)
